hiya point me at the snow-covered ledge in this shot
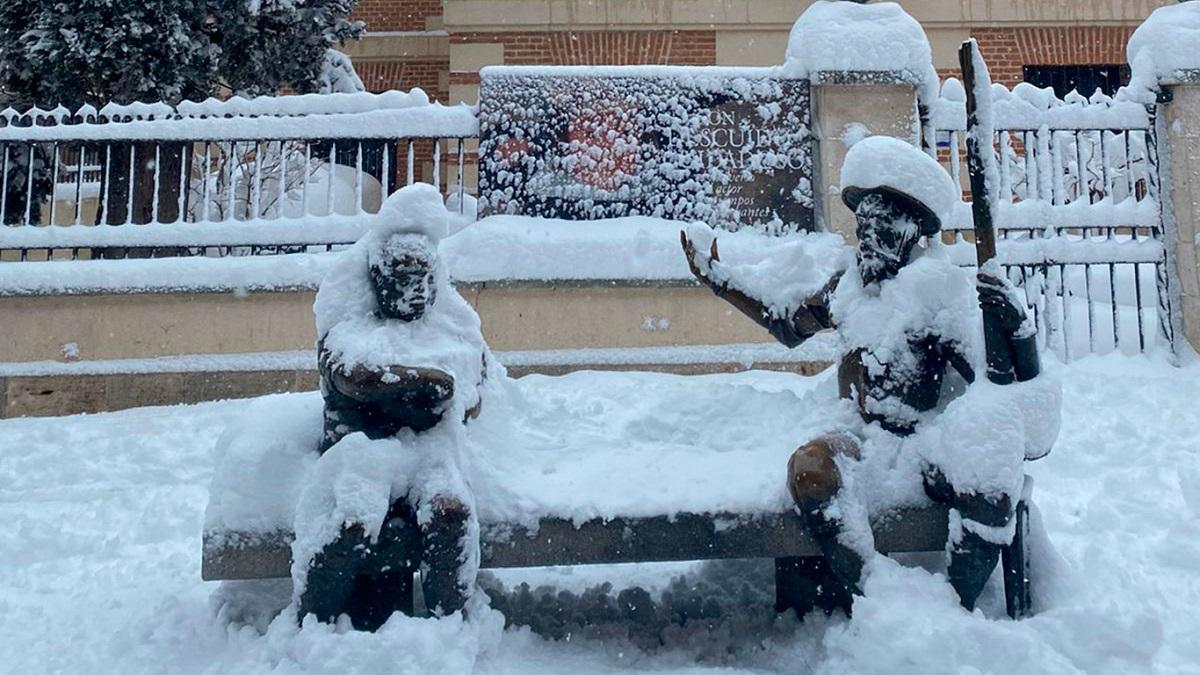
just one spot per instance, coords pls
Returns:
(869, 64)
(1164, 55)
(537, 284)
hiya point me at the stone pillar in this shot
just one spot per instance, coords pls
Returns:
(848, 107)
(1179, 136)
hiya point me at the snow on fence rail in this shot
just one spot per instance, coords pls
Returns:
(1080, 215)
(263, 175)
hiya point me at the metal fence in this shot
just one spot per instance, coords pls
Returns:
(1080, 224)
(1080, 218)
(250, 177)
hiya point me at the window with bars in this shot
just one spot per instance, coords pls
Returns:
(1085, 79)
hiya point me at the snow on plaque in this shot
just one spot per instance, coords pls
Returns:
(731, 147)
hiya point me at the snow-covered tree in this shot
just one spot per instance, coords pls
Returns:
(270, 44)
(338, 76)
(72, 52)
(96, 51)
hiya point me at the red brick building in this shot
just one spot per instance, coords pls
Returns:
(440, 45)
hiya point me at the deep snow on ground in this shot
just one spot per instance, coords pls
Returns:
(100, 555)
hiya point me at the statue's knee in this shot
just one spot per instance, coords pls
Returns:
(993, 509)
(448, 509)
(813, 476)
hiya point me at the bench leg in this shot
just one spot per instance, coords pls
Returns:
(805, 584)
(377, 596)
(1018, 595)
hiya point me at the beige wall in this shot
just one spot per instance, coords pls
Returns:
(883, 109)
(515, 318)
(149, 325)
(751, 47)
(390, 47)
(548, 317)
(1183, 134)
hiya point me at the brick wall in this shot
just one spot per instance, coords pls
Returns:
(1008, 50)
(397, 15)
(426, 74)
(696, 48)
(1073, 45)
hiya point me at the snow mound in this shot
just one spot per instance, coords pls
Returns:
(1166, 43)
(413, 209)
(100, 550)
(262, 470)
(572, 447)
(544, 249)
(294, 104)
(852, 37)
(982, 438)
(883, 161)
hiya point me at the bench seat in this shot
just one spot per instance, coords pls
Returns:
(686, 536)
(590, 468)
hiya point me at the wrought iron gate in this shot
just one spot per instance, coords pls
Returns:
(1080, 223)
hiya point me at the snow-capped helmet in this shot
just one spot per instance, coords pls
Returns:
(882, 164)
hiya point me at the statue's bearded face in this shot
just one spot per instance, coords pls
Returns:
(403, 276)
(887, 234)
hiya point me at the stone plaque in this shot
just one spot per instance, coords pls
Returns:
(730, 147)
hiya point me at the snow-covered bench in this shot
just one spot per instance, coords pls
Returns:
(587, 468)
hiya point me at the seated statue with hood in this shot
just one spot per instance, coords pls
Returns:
(403, 366)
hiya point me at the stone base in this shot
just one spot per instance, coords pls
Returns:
(53, 395)
(49, 395)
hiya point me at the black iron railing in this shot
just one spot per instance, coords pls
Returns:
(218, 178)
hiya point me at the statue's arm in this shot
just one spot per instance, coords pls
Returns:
(810, 318)
(956, 356)
(394, 383)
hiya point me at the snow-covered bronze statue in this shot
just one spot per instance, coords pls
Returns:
(402, 363)
(908, 322)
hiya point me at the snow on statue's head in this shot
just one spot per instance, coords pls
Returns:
(402, 254)
(898, 194)
(404, 276)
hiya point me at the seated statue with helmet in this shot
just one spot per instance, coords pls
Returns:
(894, 368)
